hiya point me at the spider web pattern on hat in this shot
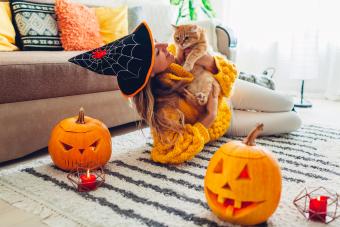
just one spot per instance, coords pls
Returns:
(130, 58)
(111, 59)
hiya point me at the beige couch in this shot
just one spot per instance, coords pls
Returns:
(38, 89)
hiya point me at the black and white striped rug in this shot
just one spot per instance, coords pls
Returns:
(139, 192)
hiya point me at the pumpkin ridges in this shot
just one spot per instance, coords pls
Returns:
(250, 139)
(80, 136)
(241, 150)
(256, 194)
(54, 144)
(261, 186)
(70, 124)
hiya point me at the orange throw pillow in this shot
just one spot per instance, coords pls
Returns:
(78, 26)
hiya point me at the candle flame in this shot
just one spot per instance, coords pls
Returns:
(88, 173)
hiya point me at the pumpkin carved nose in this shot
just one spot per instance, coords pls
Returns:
(81, 151)
(227, 186)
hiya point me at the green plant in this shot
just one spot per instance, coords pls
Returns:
(188, 8)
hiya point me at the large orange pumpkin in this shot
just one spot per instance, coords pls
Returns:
(242, 184)
(80, 141)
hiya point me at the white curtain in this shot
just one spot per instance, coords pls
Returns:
(300, 38)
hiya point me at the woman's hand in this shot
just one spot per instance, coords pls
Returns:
(212, 103)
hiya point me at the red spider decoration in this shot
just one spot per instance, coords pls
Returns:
(98, 54)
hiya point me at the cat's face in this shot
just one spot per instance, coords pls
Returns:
(186, 35)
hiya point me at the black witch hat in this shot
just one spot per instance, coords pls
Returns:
(130, 58)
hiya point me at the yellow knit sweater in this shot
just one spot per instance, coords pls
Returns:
(182, 147)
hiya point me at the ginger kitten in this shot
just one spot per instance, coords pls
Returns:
(193, 37)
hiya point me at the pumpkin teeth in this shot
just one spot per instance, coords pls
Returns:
(237, 204)
(220, 199)
(229, 211)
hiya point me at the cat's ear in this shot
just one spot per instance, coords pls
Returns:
(194, 28)
(174, 26)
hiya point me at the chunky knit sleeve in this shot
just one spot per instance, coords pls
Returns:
(226, 75)
(222, 120)
(172, 49)
(175, 147)
(175, 74)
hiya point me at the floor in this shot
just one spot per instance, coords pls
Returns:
(11, 216)
(326, 112)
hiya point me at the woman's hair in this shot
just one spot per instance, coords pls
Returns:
(151, 99)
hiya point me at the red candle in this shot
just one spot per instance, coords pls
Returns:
(88, 180)
(318, 208)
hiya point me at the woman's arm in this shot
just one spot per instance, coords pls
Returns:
(211, 107)
(177, 147)
(208, 63)
(184, 146)
(226, 75)
(224, 71)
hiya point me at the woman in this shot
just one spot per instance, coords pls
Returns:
(148, 72)
(177, 140)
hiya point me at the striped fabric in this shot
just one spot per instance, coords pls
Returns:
(139, 192)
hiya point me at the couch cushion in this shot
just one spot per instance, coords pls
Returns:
(78, 25)
(113, 22)
(47, 74)
(7, 33)
(36, 26)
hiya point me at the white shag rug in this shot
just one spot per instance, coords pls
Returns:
(139, 192)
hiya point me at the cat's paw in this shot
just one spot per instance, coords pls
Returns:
(187, 67)
(202, 99)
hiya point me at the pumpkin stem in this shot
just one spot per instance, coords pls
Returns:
(250, 139)
(81, 116)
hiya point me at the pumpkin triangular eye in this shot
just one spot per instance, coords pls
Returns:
(94, 145)
(219, 167)
(244, 173)
(66, 146)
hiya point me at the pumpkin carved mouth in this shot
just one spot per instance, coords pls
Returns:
(230, 207)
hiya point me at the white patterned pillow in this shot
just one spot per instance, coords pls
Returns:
(36, 25)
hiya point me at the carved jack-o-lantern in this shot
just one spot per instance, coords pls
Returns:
(242, 184)
(80, 141)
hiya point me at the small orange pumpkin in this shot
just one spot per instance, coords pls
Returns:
(242, 184)
(80, 141)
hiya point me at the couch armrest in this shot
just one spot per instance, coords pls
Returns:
(226, 41)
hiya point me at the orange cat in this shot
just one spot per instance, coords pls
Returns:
(193, 37)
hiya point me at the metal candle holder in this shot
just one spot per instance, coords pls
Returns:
(302, 203)
(74, 177)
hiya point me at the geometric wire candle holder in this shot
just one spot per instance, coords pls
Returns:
(87, 179)
(318, 204)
